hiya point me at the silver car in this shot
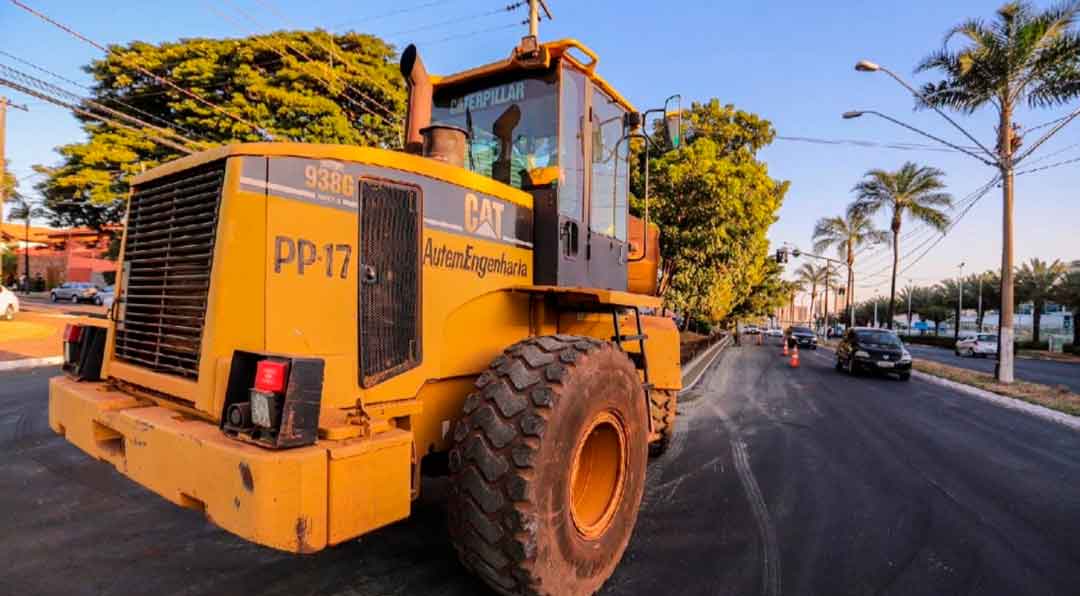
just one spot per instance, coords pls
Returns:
(982, 344)
(75, 292)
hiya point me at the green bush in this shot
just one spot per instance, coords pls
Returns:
(1030, 345)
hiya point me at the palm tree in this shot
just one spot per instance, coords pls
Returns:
(848, 234)
(913, 191)
(792, 288)
(812, 276)
(1036, 281)
(1068, 294)
(23, 209)
(1022, 57)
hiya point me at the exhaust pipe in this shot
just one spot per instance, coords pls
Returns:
(418, 116)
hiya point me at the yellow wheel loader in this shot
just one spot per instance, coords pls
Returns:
(300, 328)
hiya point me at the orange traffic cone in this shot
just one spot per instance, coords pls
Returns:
(785, 348)
(795, 358)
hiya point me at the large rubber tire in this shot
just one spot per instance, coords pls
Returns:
(663, 407)
(518, 461)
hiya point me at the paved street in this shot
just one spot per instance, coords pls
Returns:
(1046, 372)
(780, 481)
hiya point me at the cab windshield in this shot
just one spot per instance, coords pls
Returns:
(512, 124)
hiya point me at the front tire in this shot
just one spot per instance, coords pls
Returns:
(52, 296)
(905, 376)
(74, 299)
(547, 467)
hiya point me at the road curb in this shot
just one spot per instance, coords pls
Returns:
(716, 349)
(31, 363)
(1006, 402)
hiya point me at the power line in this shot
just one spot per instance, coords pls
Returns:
(46, 87)
(971, 201)
(469, 34)
(144, 71)
(390, 117)
(78, 110)
(88, 88)
(396, 12)
(264, 39)
(859, 143)
(1049, 166)
(479, 15)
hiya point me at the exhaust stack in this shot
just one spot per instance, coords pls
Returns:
(418, 116)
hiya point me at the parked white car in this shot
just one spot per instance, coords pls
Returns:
(9, 304)
(982, 344)
(774, 332)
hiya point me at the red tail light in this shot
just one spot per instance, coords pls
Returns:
(72, 333)
(270, 376)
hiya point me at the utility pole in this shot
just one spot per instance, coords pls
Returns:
(959, 301)
(4, 105)
(980, 312)
(910, 291)
(534, 16)
(827, 272)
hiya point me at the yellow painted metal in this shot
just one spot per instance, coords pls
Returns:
(661, 347)
(596, 295)
(598, 474)
(396, 160)
(274, 498)
(370, 483)
(554, 50)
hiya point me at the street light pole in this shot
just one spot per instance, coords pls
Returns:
(980, 311)
(959, 301)
(1005, 162)
(910, 290)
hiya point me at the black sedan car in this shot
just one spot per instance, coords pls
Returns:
(804, 337)
(866, 349)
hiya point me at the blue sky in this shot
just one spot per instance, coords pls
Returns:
(790, 62)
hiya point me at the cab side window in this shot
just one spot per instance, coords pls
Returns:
(572, 143)
(609, 184)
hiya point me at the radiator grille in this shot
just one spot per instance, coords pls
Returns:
(171, 227)
(389, 280)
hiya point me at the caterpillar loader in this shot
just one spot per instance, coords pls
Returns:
(301, 328)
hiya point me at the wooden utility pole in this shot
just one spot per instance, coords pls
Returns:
(4, 104)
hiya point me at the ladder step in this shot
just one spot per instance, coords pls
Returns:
(622, 338)
(637, 358)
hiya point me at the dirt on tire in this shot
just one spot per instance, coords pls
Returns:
(509, 504)
(663, 406)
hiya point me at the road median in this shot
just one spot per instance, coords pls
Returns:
(1059, 398)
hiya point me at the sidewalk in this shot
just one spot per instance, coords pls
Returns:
(32, 336)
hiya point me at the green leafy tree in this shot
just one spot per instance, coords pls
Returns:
(1023, 57)
(714, 202)
(912, 192)
(1036, 282)
(308, 86)
(847, 234)
(1067, 293)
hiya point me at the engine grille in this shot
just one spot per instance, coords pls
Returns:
(389, 280)
(169, 249)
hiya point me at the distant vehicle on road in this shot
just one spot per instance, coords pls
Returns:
(76, 292)
(801, 336)
(866, 349)
(751, 330)
(105, 296)
(9, 304)
(774, 332)
(983, 344)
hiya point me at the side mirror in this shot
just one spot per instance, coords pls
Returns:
(632, 120)
(673, 121)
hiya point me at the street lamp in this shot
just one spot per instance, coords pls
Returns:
(959, 300)
(1005, 163)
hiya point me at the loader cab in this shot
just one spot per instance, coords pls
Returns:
(543, 121)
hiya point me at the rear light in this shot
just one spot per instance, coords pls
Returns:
(270, 376)
(72, 333)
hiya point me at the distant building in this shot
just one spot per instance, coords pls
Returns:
(59, 255)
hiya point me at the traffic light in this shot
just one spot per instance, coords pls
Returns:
(781, 255)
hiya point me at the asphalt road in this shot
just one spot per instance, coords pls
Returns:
(1047, 372)
(779, 481)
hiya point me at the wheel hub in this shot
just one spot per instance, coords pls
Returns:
(598, 475)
